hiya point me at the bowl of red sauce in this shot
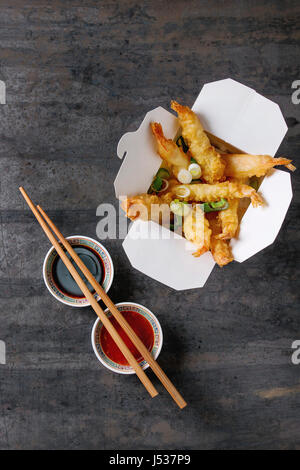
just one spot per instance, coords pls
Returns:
(59, 281)
(146, 326)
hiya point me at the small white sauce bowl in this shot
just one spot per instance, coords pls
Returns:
(53, 286)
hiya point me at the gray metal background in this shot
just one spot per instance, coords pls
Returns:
(79, 74)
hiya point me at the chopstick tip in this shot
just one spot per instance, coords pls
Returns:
(22, 191)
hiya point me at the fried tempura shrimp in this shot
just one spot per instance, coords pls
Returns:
(169, 151)
(148, 207)
(215, 192)
(196, 229)
(199, 145)
(229, 220)
(220, 249)
(244, 165)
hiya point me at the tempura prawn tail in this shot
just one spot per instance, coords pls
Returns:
(244, 190)
(221, 251)
(168, 150)
(286, 162)
(290, 166)
(256, 199)
(200, 251)
(245, 165)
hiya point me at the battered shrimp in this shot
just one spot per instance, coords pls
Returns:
(196, 229)
(169, 151)
(215, 192)
(229, 220)
(244, 165)
(148, 207)
(220, 249)
(200, 147)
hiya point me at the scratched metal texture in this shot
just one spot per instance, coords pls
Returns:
(79, 74)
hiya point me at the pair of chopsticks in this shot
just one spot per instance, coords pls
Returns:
(49, 228)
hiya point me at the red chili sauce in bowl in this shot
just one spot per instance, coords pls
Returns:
(142, 328)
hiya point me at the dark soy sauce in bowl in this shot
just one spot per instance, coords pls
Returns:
(63, 279)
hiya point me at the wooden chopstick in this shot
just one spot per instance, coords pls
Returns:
(81, 284)
(118, 316)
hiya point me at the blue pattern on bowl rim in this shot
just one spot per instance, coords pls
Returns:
(54, 288)
(157, 345)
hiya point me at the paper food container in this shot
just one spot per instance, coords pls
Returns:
(234, 114)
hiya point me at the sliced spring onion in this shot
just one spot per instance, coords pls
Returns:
(179, 208)
(193, 160)
(182, 191)
(165, 185)
(220, 205)
(215, 206)
(176, 207)
(181, 143)
(160, 182)
(163, 173)
(157, 184)
(184, 176)
(195, 170)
